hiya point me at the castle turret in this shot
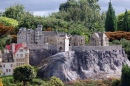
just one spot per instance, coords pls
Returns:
(39, 27)
(66, 43)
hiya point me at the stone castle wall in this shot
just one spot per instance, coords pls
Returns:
(100, 48)
(37, 46)
(76, 48)
(42, 46)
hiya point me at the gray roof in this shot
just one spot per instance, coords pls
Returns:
(49, 33)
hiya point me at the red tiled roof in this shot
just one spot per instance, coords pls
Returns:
(17, 46)
(8, 47)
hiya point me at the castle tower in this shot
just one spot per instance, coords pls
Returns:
(22, 35)
(66, 40)
(63, 43)
(39, 27)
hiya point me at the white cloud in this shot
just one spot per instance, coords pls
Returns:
(44, 13)
(1, 10)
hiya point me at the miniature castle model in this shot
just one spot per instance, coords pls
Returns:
(18, 54)
(99, 39)
(48, 39)
(14, 55)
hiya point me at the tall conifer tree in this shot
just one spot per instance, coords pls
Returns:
(126, 26)
(110, 22)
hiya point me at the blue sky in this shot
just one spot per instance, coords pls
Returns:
(46, 7)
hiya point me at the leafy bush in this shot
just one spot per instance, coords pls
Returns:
(118, 35)
(37, 82)
(116, 82)
(125, 77)
(8, 21)
(54, 81)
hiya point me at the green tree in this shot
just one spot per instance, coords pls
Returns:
(27, 21)
(1, 14)
(4, 40)
(16, 12)
(125, 77)
(110, 22)
(126, 25)
(86, 12)
(24, 74)
(121, 19)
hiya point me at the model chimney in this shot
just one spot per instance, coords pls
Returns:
(13, 47)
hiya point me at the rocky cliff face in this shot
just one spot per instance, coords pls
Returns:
(92, 64)
(38, 55)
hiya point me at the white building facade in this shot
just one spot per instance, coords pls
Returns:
(14, 55)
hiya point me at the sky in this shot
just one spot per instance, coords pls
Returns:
(46, 7)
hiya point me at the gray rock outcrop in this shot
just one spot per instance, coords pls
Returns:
(92, 64)
(38, 55)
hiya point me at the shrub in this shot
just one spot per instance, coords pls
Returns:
(54, 81)
(125, 77)
(116, 82)
(7, 81)
(37, 82)
(118, 35)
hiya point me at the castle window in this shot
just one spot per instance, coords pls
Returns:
(6, 70)
(60, 49)
(11, 65)
(81, 41)
(21, 55)
(20, 50)
(74, 44)
(9, 70)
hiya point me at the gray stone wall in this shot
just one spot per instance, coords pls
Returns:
(100, 48)
(37, 46)
(42, 46)
(52, 47)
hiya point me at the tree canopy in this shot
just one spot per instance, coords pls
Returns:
(126, 25)
(110, 22)
(8, 21)
(24, 73)
(86, 12)
(16, 12)
(125, 77)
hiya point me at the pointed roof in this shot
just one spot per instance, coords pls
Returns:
(17, 46)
